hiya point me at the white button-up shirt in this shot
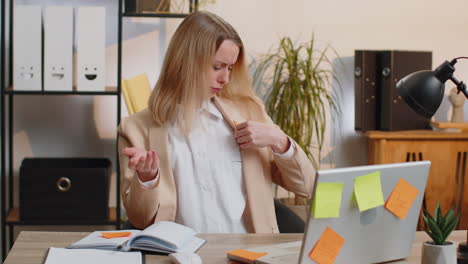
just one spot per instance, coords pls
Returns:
(207, 169)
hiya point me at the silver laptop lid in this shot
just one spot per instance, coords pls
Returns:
(375, 235)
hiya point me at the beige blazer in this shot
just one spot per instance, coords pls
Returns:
(260, 167)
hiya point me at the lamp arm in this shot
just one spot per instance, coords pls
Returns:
(461, 87)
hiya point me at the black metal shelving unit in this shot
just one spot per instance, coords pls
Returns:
(9, 214)
(2, 127)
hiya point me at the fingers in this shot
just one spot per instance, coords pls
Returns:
(137, 157)
(241, 133)
(155, 163)
(135, 160)
(253, 134)
(244, 133)
(244, 139)
(242, 125)
(249, 144)
(146, 164)
(243, 129)
(144, 161)
(130, 151)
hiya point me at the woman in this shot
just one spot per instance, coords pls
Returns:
(205, 154)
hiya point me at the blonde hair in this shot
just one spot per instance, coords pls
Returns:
(183, 86)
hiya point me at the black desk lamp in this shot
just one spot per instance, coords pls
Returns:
(423, 91)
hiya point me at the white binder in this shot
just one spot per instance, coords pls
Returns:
(58, 48)
(91, 37)
(27, 48)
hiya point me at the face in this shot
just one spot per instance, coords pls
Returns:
(223, 61)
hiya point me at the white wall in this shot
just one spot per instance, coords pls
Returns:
(437, 26)
(85, 126)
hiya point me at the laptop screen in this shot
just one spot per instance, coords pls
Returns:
(361, 228)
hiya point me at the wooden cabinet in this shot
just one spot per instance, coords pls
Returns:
(447, 152)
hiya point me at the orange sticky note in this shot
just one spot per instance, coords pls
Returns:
(110, 235)
(401, 199)
(235, 123)
(327, 247)
(245, 254)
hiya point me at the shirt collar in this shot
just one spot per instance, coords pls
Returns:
(210, 108)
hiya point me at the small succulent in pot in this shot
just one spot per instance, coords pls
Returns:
(439, 226)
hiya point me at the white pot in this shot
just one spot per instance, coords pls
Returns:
(439, 254)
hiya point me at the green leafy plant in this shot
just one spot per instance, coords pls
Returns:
(295, 81)
(439, 226)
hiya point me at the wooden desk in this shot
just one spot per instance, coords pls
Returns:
(448, 153)
(31, 247)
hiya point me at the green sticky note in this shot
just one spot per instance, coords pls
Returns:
(327, 200)
(368, 191)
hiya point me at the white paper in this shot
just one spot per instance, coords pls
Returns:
(90, 256)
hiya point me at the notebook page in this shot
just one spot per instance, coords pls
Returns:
(193, 245)
(173, 235)
(96, 240)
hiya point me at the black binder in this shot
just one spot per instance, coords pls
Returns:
(366, 115)
(377, 103)
(395, 113)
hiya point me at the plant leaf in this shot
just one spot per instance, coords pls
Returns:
(299, 100)
(438, 213)
(435, 230)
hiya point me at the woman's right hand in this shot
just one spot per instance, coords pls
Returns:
(146, 163)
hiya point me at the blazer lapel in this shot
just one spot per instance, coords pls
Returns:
(252, 171)
(229, 112)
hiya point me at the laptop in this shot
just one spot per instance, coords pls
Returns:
(375, 235)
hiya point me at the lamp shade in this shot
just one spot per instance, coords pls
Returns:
(423, 91)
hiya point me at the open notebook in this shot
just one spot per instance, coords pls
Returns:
(163, 236)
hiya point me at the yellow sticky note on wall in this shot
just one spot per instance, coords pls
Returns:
(368, 191)
(327, 200)
(401, 199)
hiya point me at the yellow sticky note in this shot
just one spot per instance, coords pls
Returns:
(110, 235)
(246, 255)
(327, 200)
(401, 199)
(368, 191)
(327, 247)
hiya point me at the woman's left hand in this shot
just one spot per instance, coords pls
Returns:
(255, 134)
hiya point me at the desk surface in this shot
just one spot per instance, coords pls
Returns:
(31, 247)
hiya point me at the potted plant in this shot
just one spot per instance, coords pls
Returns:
(295, 82)
(439, 227)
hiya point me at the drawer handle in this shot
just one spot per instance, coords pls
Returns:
(64, 184)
